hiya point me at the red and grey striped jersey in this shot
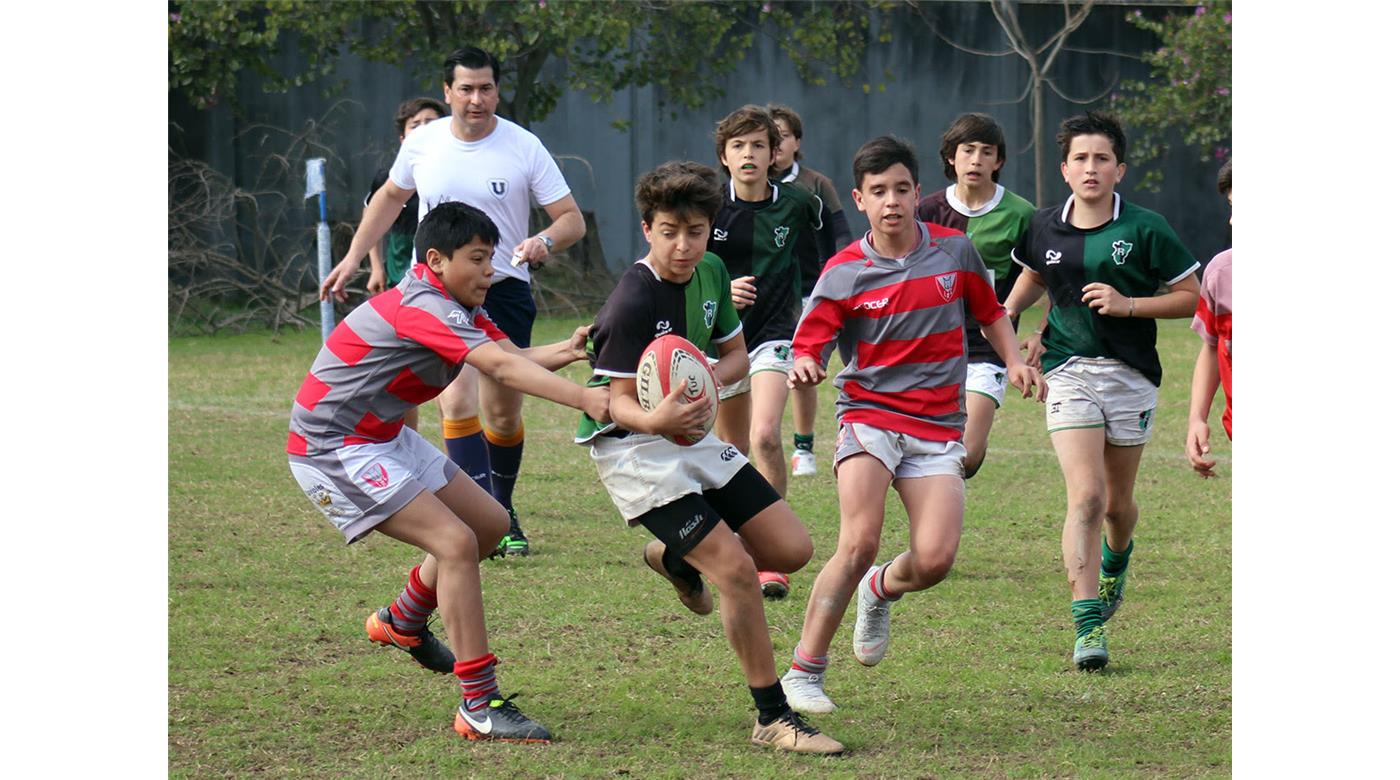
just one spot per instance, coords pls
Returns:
(899, 323)
(393, 352)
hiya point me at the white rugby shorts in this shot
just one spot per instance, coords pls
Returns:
(906, 456)
(1101, 393)
(987, 379)
(643, 471)
(362, 485)
(768, 356)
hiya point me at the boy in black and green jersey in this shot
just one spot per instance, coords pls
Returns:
(814, 248)
(1103, 261)
(973, 150)
(712, 513)
(756, 234)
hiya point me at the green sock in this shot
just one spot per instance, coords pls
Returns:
(803, 442)
(1114, 563)
(1088, 615)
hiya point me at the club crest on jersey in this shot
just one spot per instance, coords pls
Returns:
(1121, 249)
(499, 187)
(376, 476)
(947, 285)
(721, 235)
(1052, 257)
(458, 316)
(710, 308)
(780, 235)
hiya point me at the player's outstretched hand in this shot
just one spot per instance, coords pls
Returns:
(1198, 447)
(595, 403)
(334, 283)
(805, 372)
(1034, 347)
(675, 416)
(1028, 380)
(1105, 300)
(578, 344)
(743, 292)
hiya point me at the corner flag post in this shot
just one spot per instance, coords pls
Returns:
(316, 185)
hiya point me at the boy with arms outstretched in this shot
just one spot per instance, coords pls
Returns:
(895, 301)
(1102, 260)
(1214, 320)
(366, 471)
(973, 151)
(710, 510)
(755, 234)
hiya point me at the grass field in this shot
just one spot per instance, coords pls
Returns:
(270, 673)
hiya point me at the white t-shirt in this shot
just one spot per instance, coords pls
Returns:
(497, 174)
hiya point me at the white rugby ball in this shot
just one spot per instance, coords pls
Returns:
(670, 360)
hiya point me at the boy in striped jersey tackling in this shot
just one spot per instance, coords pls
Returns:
(894, 304)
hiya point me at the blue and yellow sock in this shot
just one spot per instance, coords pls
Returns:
(466, 446)
(506, 452)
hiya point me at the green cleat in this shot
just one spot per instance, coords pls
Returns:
(1091, 650)
(1111, 592)
(514, 542)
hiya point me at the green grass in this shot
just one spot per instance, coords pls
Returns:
(270, 674)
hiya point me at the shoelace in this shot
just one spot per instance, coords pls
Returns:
(508, 709)
(1094, 637)
(799, 725)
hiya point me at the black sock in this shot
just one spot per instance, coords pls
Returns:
(676, 566)
(771, 702)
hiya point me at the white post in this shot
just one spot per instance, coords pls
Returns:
(316, 185)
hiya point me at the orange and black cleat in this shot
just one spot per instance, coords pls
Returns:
(425, 648)
(501, 721)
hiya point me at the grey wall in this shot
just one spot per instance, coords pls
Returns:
(933, 83)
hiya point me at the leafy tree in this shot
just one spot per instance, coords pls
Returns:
(599, 47)
(1188, 92)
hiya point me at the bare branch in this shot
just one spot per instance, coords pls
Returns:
(933, 28)
(1085, 101)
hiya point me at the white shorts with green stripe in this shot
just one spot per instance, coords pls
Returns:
(1101, 393)
(987, 379)
(768, 356)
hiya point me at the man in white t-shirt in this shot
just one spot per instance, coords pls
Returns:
(476, 157)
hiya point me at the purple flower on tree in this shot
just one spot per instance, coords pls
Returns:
(1200, 10)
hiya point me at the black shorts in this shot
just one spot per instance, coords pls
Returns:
(512, 307)
(681, 524)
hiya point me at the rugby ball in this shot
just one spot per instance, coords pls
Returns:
(671, 361)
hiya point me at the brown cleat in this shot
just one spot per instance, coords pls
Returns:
(697, 600)
(792, 733)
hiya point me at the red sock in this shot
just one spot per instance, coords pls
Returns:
(478, 678)
(412, 608)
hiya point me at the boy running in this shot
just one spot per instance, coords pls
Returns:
(973, 151)
(711, 512)
(755, 234)
(1214, 365)
(356, 461)
(1103, 260)
(814, 248)
(896, 300)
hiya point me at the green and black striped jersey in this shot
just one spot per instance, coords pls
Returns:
(759, 240)
(1136, 252)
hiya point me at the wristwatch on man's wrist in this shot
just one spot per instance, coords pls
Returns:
(547, 241)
